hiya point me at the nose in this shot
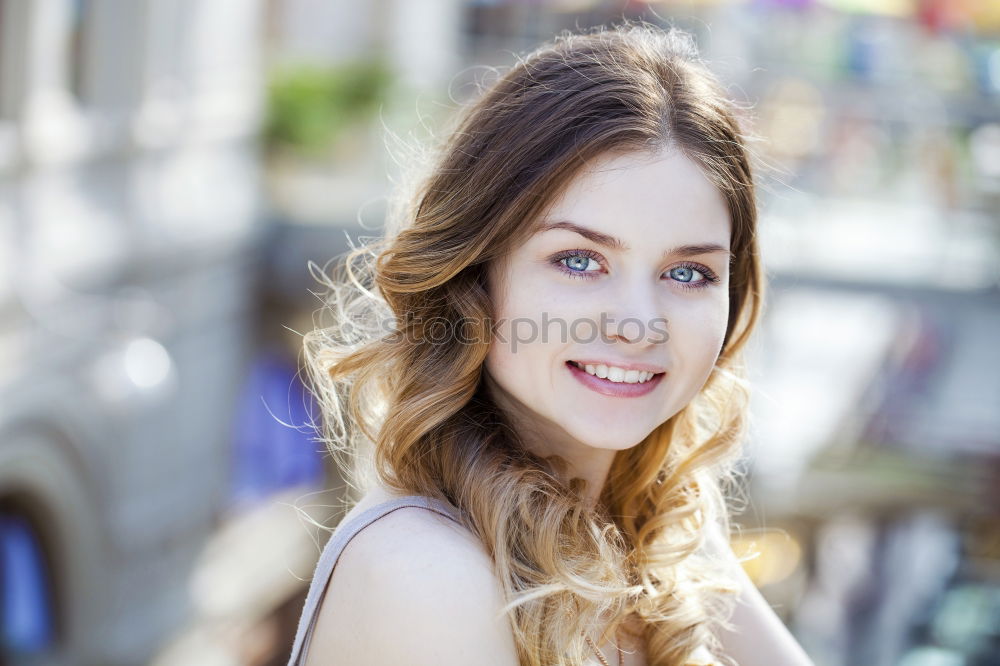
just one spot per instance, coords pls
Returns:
(636, 316)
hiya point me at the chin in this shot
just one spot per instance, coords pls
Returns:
(612, 438)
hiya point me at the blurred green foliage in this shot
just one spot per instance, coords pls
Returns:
(309, 105)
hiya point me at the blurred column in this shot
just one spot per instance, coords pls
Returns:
(326, 31)
(423, 40)
(45, 106)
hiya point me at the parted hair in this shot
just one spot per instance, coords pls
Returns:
(399, 376)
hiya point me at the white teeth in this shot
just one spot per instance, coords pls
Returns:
(617, 374)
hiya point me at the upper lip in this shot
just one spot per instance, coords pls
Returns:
(642, 367)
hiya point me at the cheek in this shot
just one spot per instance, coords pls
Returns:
(718, 321)
(697, 338)
(499, 360)
(533, 293)
(521, 357)
(516, 367)
(533, 317)
(509, 359)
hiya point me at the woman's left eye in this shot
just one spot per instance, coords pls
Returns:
(685, 274)
(577, 264)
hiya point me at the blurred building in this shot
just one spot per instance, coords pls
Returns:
(874, 460)
(129, 227)
(151, 258)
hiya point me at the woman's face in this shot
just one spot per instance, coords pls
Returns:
(629, 269)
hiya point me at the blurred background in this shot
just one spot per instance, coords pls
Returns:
(169, 167)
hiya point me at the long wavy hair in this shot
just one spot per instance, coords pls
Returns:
(399, 371)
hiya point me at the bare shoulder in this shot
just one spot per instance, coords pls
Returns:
(412, 587)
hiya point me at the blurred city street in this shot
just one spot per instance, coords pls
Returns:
(170, 168)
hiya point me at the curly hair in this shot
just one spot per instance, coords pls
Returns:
(401, 399)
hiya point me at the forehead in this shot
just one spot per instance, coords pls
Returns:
(646, 192)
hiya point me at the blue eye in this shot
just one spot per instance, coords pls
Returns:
(578, 263)
(574, 263)
(683, 274)
(686, 273)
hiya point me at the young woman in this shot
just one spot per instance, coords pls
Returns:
(537, 381)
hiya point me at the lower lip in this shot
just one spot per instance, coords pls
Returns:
(614, 389)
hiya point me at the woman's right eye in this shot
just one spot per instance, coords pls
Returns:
(578, 263)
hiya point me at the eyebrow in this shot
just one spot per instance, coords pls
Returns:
(618, 244)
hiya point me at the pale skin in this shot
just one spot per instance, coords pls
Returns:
(415, 588)
(654, 207)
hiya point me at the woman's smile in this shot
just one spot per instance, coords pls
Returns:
(616, 248)
(616, 383)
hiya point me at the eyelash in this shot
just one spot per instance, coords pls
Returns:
(710, 277)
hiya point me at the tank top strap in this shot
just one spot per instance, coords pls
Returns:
(335, 545)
